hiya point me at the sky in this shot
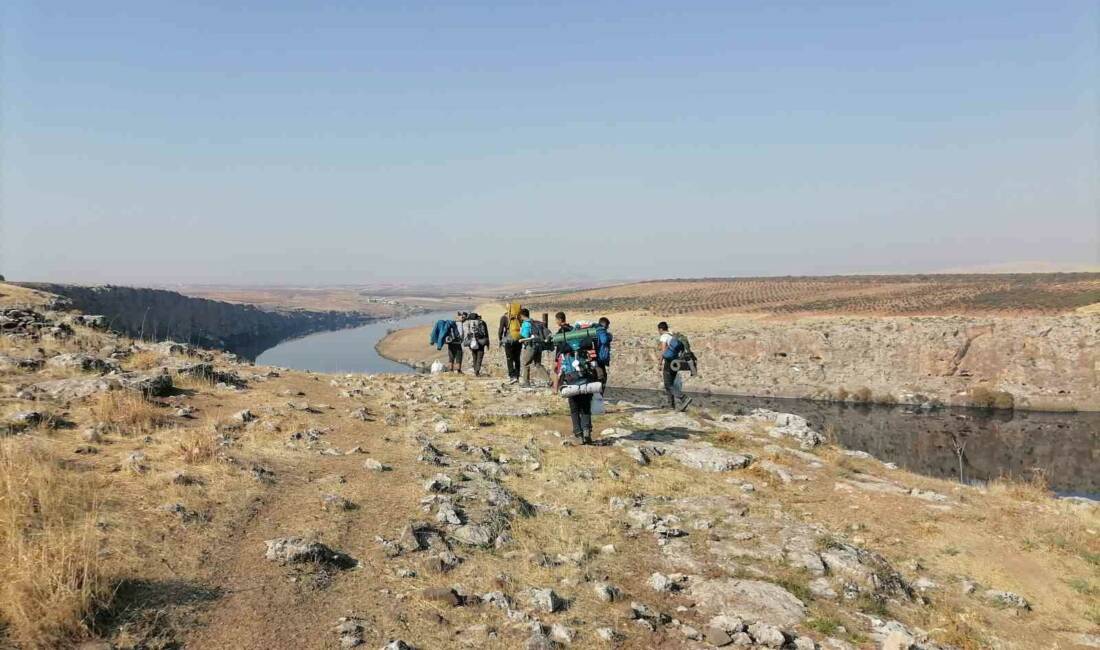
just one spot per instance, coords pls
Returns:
(312, 142)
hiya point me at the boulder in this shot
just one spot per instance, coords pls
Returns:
(293, 550)
(749, 599)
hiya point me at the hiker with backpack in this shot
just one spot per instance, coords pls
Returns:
(508, 336)
(475, 336)
(575, 378)
(673, 348)
(533, 335)
(454, 343)
(603, 350)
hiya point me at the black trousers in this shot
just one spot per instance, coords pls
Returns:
(669, 377)
(511, 358)
(580, 411)
(454, 353)
(476, 357)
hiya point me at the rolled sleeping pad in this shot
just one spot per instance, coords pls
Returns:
(576, 338)
(590, 388)
(678, 365)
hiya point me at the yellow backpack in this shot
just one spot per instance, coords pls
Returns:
(514, 321)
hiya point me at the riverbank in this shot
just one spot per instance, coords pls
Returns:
(1041, 363)
(170, 495)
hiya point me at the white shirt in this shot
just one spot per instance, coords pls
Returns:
(665, 338)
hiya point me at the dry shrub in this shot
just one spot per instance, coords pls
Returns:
(862, 395)
(50, 573)
(841, 394)
(1034, 488)
(126, 412)
(982, 397)
(197, 447)
(144, 360)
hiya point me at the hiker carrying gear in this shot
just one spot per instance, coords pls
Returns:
(454, 343)
(443, 330)
(671, 349)
(475, 336)
(576, 380)
(533, 335)
(508, 338)
(603, 350)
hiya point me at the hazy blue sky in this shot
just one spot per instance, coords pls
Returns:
(150, 142)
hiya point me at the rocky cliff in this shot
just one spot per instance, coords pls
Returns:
(1029, 362)
(155, 314)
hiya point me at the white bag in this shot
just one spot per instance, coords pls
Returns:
(474, 345)
(437, 367)
(597, 404)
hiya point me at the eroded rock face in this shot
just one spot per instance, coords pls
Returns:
(1043, 361)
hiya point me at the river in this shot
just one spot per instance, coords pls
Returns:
(968, 445)
(350, 350)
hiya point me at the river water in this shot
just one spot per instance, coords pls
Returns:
(968, 445)
(350, 350)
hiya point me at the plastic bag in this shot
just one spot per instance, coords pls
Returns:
(597, 404)
(437, 367)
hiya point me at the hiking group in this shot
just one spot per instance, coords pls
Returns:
(582, 356)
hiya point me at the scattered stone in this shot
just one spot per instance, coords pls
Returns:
(661, 582)
(442, 427)
(350, 631)
(336, 503)
(440, 484)
(376, 465)
(244, 416)
(545, 600)
(607, 592)
(1006, 599)
(767, 635)
(293, 550)
(473, 535)
(608, 634)
(397, 644)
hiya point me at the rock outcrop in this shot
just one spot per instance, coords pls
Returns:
(155, 314)
(1040, 362)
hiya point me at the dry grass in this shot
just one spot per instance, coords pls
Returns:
(144, 360)
(126, 413)
(196, 447)
(50, 572)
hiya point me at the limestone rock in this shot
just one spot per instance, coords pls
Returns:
(749, 599)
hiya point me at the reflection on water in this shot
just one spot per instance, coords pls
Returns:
(350, 350)
(969, 445)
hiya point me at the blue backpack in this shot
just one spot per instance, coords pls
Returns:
(675, 348)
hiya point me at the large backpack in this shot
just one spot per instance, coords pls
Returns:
(481, 332)
(514, 321)
(678, 346)
(539, 332)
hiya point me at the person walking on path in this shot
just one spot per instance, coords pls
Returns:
(454, 343)
(511, 349)
(475, 336)
(668, 375)
(532, 333)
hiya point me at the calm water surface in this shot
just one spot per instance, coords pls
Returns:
(350, 350)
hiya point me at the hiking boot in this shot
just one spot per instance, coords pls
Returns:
(686, 403)
(513, 380)
(586, 437)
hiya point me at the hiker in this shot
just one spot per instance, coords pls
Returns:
(603, 351)
(669, 347)
(475, 336)
(508, 339)
(574, 379)
(532, 334)
(454, 343)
